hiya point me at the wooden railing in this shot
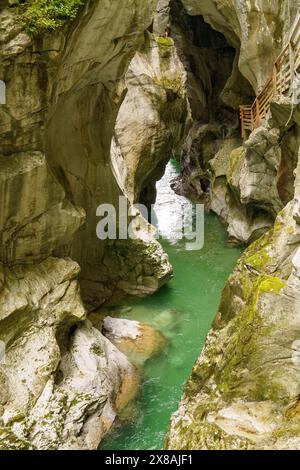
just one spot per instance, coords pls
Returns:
(285, 69)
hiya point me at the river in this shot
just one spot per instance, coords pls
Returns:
(183, 310)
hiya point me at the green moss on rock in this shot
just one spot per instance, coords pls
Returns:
(257, 255)
(235, 161)
(173, 84)
(164, 42)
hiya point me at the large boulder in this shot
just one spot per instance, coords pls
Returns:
(152, 120)
(62, 382)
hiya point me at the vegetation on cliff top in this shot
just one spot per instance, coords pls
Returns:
(41, 16)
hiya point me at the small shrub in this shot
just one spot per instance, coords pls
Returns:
(41, 16)
(164, 42)
(173, 84)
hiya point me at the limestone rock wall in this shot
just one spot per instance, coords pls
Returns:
(62, 381)
(245, 188)
(93, 112)
(258, 29)
(244, 389)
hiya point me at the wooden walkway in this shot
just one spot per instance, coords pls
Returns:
(286, 67)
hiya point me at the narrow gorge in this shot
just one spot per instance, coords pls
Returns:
(171, 104)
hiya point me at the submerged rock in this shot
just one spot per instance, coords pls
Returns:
(138, 341)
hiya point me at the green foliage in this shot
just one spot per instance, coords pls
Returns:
(173, 84)
(41, 16)
(164, 42)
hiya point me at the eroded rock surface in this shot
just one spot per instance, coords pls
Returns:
(62, 382)
(244, 388)
(93, 112)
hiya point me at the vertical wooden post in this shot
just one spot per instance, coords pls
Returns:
(292, 64)
(242, 122)
(257, 113)
(275, 80)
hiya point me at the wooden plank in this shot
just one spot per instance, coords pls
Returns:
(286, 63)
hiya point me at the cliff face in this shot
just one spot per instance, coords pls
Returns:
(62, 382)
(244, 389)
(247, 187)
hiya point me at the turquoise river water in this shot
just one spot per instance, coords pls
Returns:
(183, 310)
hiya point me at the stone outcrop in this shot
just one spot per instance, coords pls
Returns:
(43, 79)
(153, 118)
(257, 30)
(92, 112)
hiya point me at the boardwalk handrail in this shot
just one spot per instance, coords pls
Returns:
(286, 66)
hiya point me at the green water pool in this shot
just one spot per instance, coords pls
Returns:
(183, 310)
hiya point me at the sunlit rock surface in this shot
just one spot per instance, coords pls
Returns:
(243, 391)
